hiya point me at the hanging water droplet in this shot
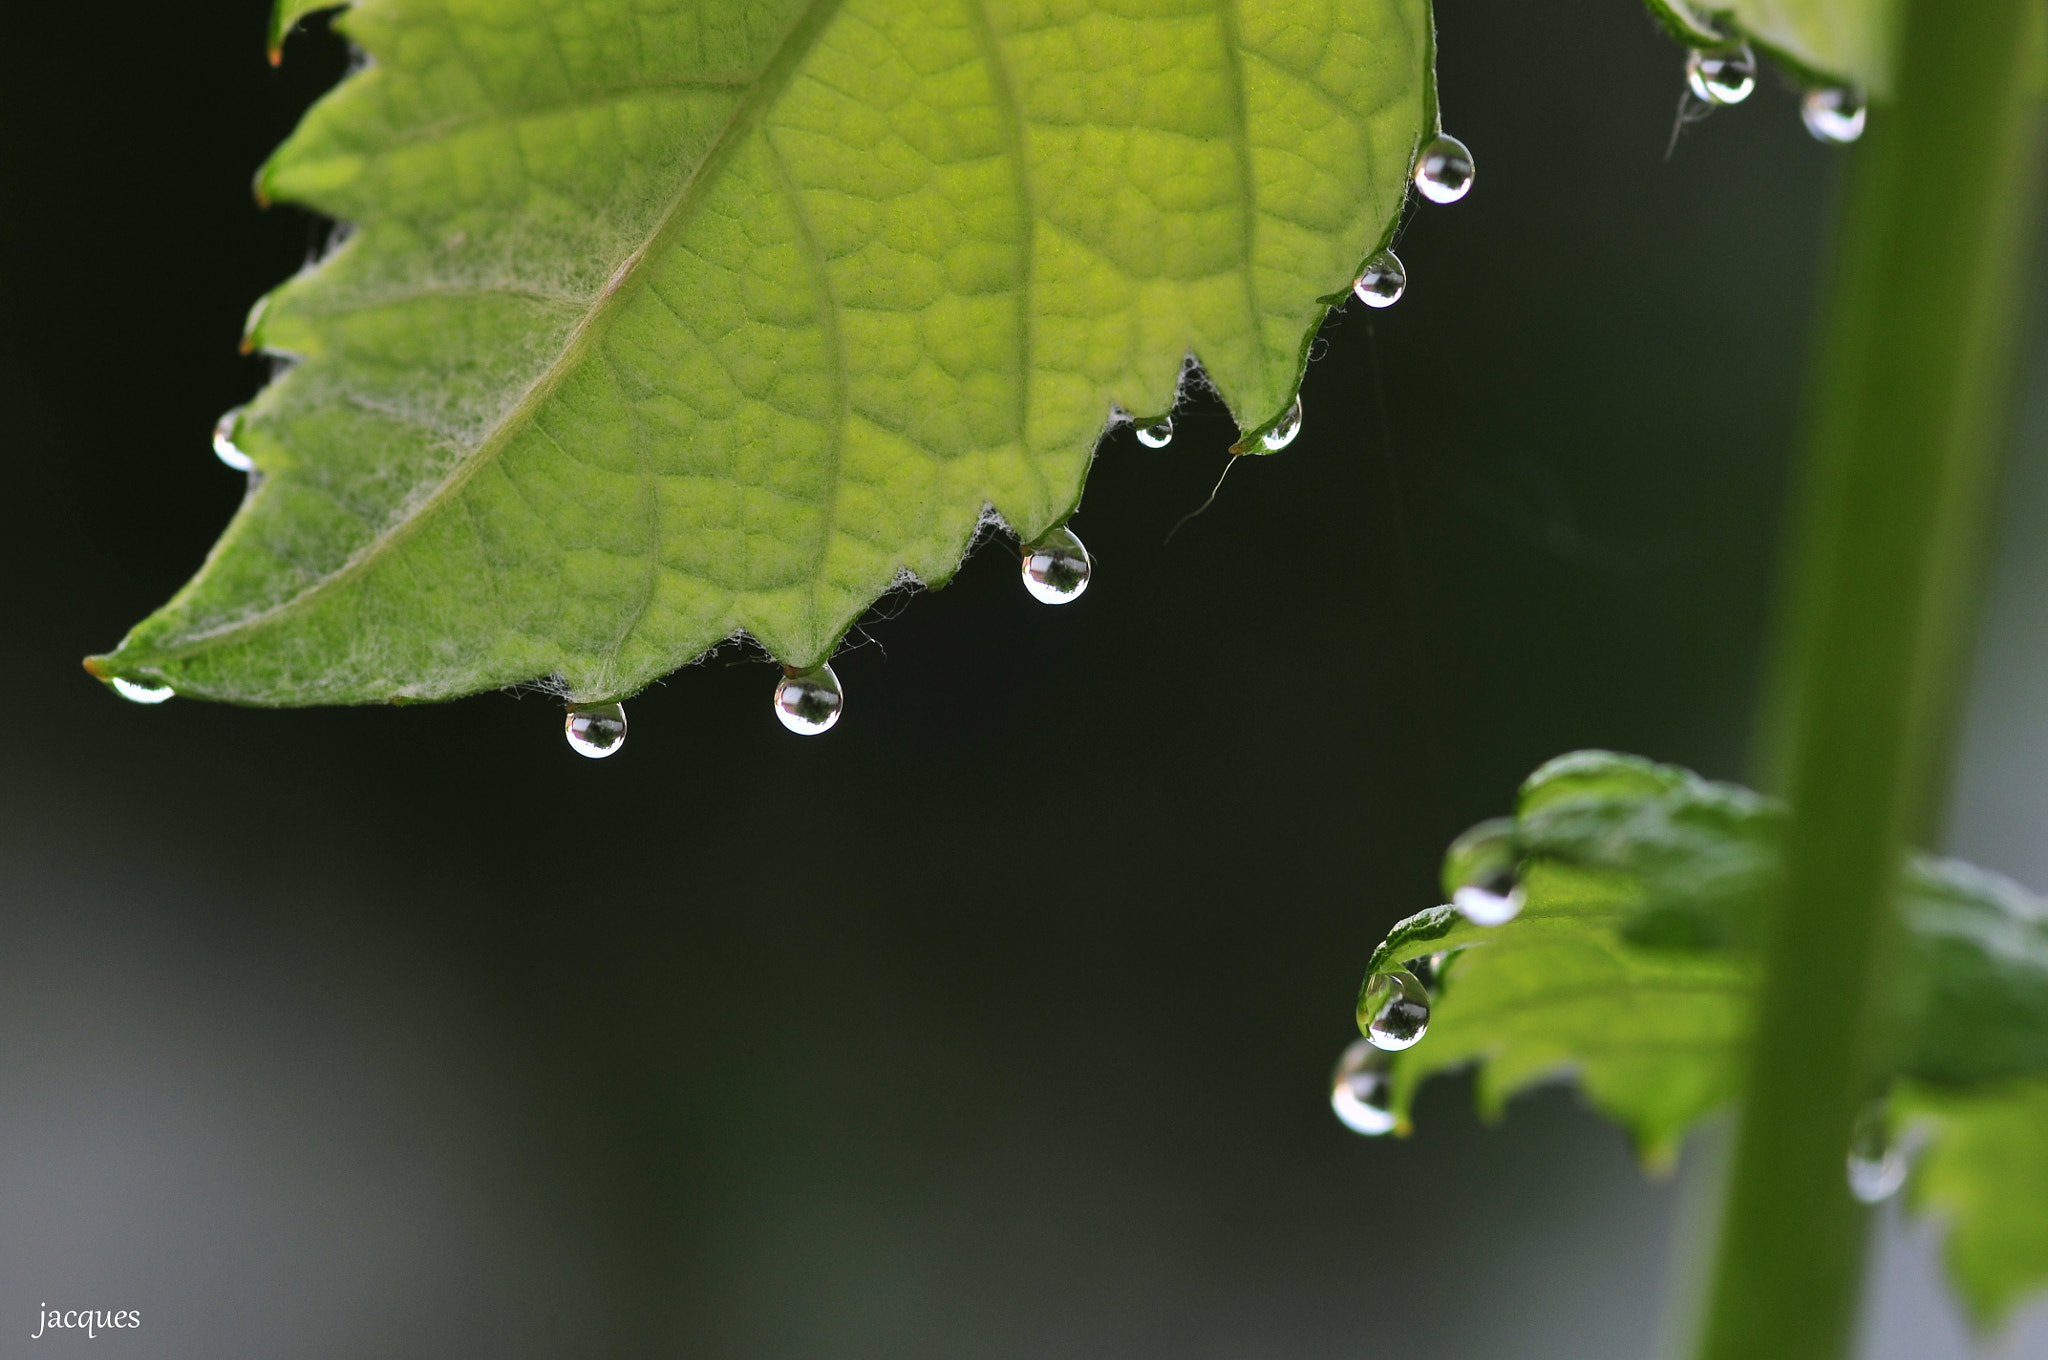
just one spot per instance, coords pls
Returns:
(1394, 1010)
(1492, 903)
(1444, 170)
(1360, 1091)
(1383, 281)
(1482, 871)
(1158, 434)
(809, 702)
(1877, 1164)
(1833, 114)
(224, 443)
(1057, 567)
(1721, 77)
(1281, 435)
(141, 692)
(597, 731)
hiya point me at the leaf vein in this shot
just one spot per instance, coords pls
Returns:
(745, 119)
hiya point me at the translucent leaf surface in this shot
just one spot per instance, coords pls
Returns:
(1820, 42)
(1654, 1038)
(668, 319)
(1849, 41)
(1631, 969)
(1985, 1172)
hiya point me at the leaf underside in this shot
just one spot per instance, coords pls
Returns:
(1632, 970)
(1838, 41)
(1821, 42)
(667, 320)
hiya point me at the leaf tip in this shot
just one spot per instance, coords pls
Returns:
(1658, 1159)
(96, 667)
(252, 335)
(259, 184)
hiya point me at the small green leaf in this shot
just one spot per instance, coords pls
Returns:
(1632, 969)
(666, 320)
(1694, 861)
(1654, 1038)
(1985, 1172)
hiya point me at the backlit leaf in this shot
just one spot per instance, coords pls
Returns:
(1654, 1038)
(1985, 1173)
(1845, 41)
(665, 320)
(1632, 969)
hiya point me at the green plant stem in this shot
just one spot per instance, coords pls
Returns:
(1904, 435)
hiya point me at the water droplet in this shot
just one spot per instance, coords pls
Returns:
(1394, 1010)
(1057, 567)
(1281, 435)
(1721, 77)
(1493, 903)
(1443, 169)
(597, 731)
(1482, 873)
(809, 702)
(141, 692)
(1360, 1091)
(1833, 114)
(1877, 1164)
(1158, 434)
(1383, 281)
(224, 443)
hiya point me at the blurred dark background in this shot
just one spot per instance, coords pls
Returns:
(999, 1021)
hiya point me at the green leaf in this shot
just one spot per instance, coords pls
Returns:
(1849, 40)
(1972, 1002)
(1632, 969)
(1822, 42)
(1985, 1172)
(1845, 41)
(1702, 853)
(666, 320)
(1654, 1038)
(285, 15)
